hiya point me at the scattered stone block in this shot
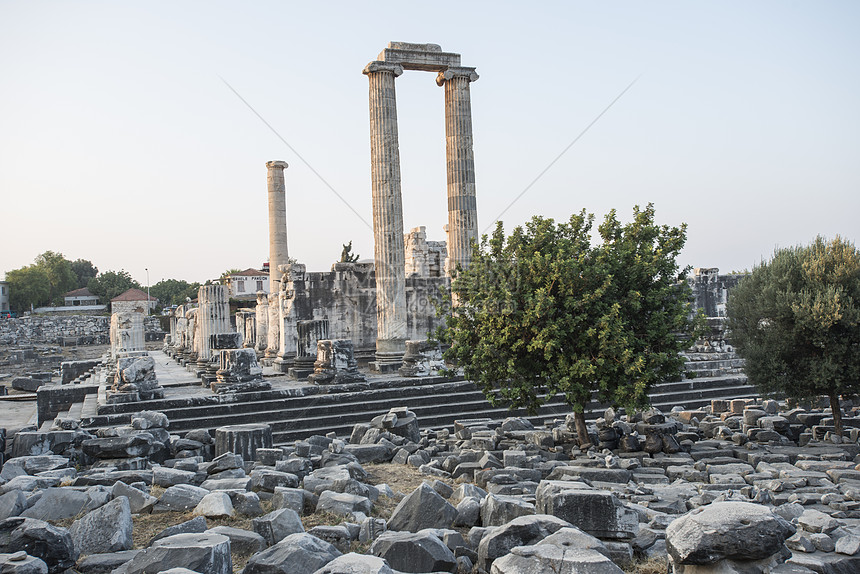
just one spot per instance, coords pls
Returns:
(204, 553)
(105, 529)
(420, 551)
(297, 553)
(422, 508)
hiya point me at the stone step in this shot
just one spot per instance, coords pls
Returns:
(438, 403)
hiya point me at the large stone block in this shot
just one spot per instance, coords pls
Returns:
(726, 530)
(422, 508)
(299, 553)
(38, 538)
(106, 529)
(421, 551)
(204, 553)
(596, 512)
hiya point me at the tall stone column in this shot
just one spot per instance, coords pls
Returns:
(278, 252)
(460, 160)
(387, 217)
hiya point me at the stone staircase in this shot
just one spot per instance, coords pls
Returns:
(298, 412)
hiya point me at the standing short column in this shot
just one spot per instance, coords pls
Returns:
(389, 252)
(460, 160)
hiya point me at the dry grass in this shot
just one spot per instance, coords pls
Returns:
(400, 477)
(650, 566)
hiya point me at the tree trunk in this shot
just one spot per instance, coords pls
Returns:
(837, 412)
(581, 430)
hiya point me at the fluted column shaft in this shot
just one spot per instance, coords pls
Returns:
(389, 252)
(262, 312)
(278, 252)
(460, 164)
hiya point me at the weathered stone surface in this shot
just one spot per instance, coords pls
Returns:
(139, 501)
(63, 502)
(353, 563)
(105, 529)
(420, 551)
(499, 510)
(551, 559)
(243, 440)
(597, 512)
(181, 497)
(128, 446)
(194, 526)
(104, 563)
(32, 465)
(12, 504)
(277, 525)
(521, 531)
(242, 542)
(205, 553)
(343, 504)
(214, 505)
(734, 530)
(22, 563)
(298, 553)
(268, 480)
(38, 538)
(166, 477)
(422, 508)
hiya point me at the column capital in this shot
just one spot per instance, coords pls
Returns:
(379, 66)
(447, 74)
(274, 164)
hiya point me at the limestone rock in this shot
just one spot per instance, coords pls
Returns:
(298, 553)
(420, 551)
(521, 531)
(733, 530)
(278, 525)
(597, 512)
(353, 563)
(205, 553)
(550, 559)
(343, 504)
(12, 504)
(241, 541)
(181, 497)
(105, 529)
(38, 538)
(499, 510)
(422, 508)
(214, 504)
(194, 526)
(104, 563)
(139, 501)
(64, 502)
(22, 563)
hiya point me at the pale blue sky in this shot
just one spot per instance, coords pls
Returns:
(119, 142)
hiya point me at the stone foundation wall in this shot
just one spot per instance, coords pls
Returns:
(66, 329)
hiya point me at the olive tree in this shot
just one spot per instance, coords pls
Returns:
(796, 321)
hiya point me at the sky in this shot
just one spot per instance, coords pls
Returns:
(122, 142)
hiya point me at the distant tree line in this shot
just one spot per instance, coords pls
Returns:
(51, 275)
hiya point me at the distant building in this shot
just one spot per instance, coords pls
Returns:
(80, 297)
(4, 296)
(133, 301)
(244, 285)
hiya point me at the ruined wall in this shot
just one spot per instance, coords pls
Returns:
(710, 289)
(346, 296)
(68, 329)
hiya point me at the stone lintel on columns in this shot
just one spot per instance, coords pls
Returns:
(277, 163)
(447, 74)
(424, 57)
(377, 66)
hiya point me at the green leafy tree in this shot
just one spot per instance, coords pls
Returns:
(545, 312)
(796, 321)
(29, 287)
(174, 291)
(84, 270)
(109, 284)
(58, 270)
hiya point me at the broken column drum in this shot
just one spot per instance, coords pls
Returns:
(213, 317)
(309, 333)
(385, 175)
(335, 363)
(127, 333)
(262, 320)
(243, 440)
(278, 251)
